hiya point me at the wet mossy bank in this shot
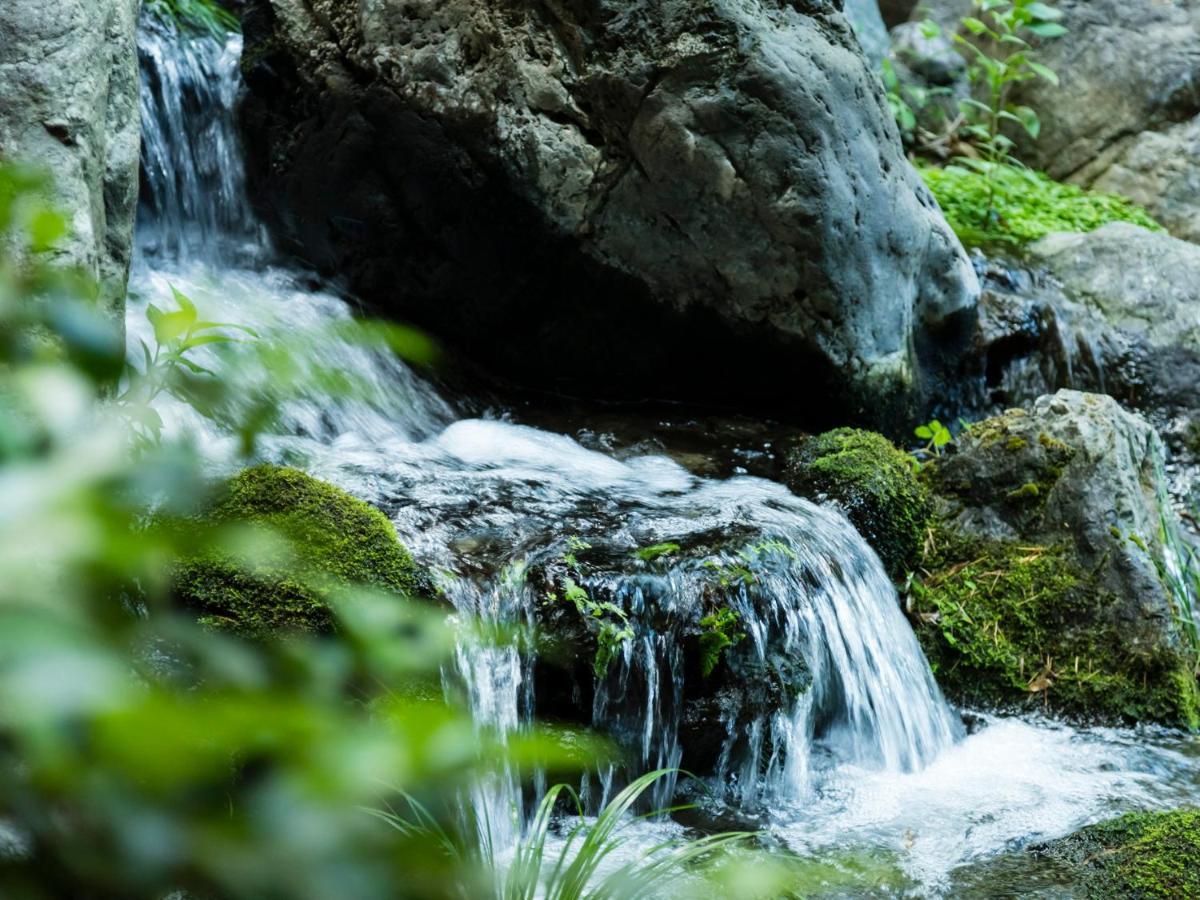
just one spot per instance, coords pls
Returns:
(1139, 856)
(1029, 557)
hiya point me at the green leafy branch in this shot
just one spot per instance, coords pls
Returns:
(1001, 56)
(177, 333)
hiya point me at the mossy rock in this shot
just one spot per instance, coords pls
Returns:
(334, 540)
(1014, 626)
(1140, 856)
(873, 482)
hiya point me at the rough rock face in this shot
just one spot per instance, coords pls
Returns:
(68, 79)
(1070, 470)
(1115, 311)
(1124, 117)
(1041, 580)
(1143, 283)
(703, 197)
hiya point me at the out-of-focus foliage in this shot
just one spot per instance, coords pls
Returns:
(1017, 206)
(140, 752)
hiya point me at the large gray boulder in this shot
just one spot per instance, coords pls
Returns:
(702, 197)
(68, 79)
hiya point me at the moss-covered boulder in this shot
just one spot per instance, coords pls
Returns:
(873, 482)
(1140, 856)
(331, 539)
(1040, 584)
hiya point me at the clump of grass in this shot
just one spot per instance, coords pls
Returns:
(574, 870)
(196, 16)
(1018, 206)
(1179, 570)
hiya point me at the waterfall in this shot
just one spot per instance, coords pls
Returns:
(193, 203)
(826, 672)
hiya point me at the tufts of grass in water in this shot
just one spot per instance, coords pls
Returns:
(196, 16)
(573, 871)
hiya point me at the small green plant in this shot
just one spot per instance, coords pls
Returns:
(613, 630)
(196, 16)
(717, 637)
(649, 554)
(575, 545)
(1179, 570)
(936, 434)
(177, 333)
(1000, 56)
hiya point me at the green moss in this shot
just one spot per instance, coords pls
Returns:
(333, 539)
(875, 484)
(1027, 206)
(1027, 491)
(1139, 856)
(1015, 444)
(1011, 626)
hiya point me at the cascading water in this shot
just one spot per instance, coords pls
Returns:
(827, 722)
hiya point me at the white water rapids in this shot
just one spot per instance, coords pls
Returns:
(868, 759)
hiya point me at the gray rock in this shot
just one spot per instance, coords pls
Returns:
(1159, 170)
(872, 34)
(1074, 470)
(932, 76)
(68, 76)
(1143, 283)
(929, 55)
(704, 197)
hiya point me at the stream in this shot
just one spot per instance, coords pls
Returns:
(852, 758)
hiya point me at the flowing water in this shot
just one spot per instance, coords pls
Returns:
(832, 733)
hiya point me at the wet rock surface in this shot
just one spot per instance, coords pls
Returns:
(678, 184)
(68, 78)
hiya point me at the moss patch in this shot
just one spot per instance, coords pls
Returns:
(875, 484)
(1027, 206)
(335, 540)
(1011, 626)
(1138, 856)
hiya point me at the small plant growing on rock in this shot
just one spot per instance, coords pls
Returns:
(1000, 57)
(613, 630)
(936, 434)
(717, 637)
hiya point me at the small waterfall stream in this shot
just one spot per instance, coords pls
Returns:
(829, 715)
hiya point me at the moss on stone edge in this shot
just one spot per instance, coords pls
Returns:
(335, 540)
(874, 483)
(1028, 206)
(1139, 856)
(1011, 626)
